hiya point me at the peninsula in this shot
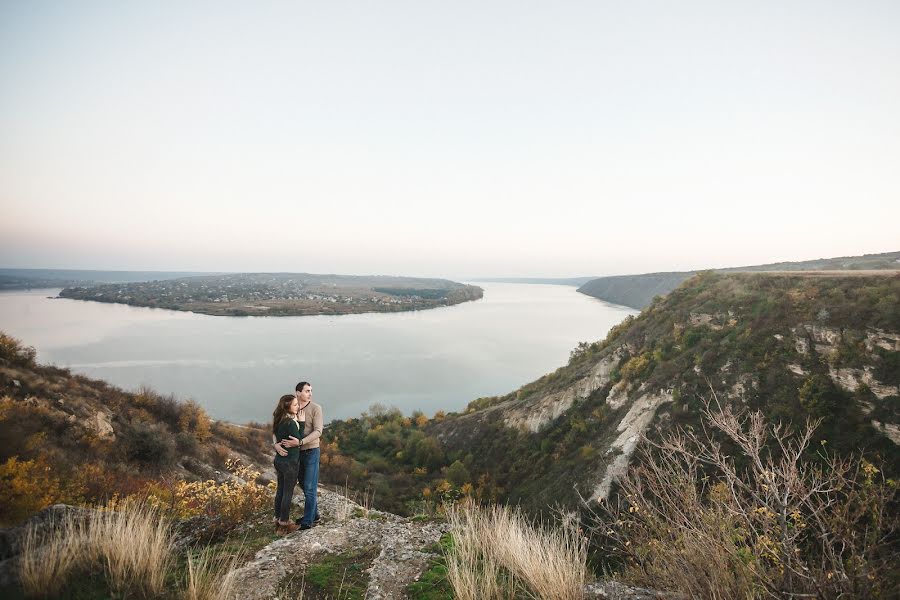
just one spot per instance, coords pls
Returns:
(282, 294)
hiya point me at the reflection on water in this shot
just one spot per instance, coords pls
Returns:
(237, 368)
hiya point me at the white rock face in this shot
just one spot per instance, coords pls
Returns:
(891, 431)
(851, 379)
(100, 425)
(537, 412)
(618, 395)
(630, 428)
(796, 370)
(882, 339)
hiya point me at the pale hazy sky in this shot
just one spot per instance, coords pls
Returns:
(447, 138)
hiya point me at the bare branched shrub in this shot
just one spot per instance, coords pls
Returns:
(498, 552)
(777, 519)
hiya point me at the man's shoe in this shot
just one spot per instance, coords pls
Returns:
(304, 527)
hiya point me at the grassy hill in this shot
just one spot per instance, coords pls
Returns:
(637, 291)
(793, 346)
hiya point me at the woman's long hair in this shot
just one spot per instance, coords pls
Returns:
(281, 411)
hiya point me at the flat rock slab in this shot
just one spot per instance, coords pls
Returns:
(401, 545)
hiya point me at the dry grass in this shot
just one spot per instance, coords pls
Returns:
(210, 576)
(498, 553)
(131, 544)
(48, 560)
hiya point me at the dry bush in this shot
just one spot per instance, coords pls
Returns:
(194, 420)
(252, 438)
(777, 519)
(131, 545)
(210, 575)
(230, 503)
(13, 351)
(498, 553)
(26, 486)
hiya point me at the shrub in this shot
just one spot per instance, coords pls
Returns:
(194, 420)
(15, 352)
(150, 444)
(229, 504)
(26, 486)
(766, 518)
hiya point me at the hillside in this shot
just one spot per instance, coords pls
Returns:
(637, 291)
(793, 346)
(68, 438)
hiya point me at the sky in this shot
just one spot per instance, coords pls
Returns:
(449, 139)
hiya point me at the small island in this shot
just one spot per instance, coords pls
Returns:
(282, 294)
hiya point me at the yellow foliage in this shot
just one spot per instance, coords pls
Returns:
(194, 420)
(26, 486)
(635, 366)
(421, 421)
(231, 502)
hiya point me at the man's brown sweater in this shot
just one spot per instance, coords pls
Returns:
(312, 426)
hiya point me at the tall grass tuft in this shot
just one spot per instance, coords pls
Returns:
(210, 576)
(498, 553)
(47, 560)
(131, 545)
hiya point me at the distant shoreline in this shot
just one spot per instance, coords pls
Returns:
(282, 294)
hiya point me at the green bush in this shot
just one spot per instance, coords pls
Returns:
(150, 444)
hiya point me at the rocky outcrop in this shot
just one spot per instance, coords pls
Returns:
(101, 426)
(851, 379)
(877, 338)
(401, 548)
(537, 412)
(630, 428)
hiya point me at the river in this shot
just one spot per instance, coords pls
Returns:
(237, 367)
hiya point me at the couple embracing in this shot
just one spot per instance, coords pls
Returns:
(296, 428)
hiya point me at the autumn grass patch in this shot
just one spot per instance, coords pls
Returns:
(497, 552)
(130, 548)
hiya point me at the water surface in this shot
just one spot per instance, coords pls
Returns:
(237, 367)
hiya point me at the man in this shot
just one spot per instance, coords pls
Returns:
(311, 419)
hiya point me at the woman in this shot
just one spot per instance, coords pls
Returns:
(284, 426)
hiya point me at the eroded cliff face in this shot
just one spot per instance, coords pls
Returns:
(533, 413)
(791, 347)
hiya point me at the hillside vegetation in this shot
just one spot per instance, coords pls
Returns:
(67, 438)
(790, 346)
(638, 291)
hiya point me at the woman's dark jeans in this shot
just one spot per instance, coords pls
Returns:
(284, 493)
(309, 480)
